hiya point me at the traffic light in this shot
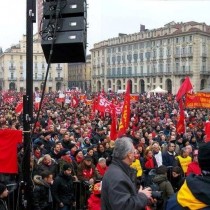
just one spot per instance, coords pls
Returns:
(64, 31)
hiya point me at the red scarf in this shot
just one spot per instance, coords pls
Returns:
(79, 159)
(101, 170)
(87, 173)
(149, 162)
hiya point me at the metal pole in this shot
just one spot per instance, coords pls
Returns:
(28, 106)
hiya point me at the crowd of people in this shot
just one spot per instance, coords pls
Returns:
(72, 152)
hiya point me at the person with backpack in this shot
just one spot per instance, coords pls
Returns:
(164, 186)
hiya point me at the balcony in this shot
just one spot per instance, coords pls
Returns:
(50, 79)
(167, 73)
(12, 79)
(177, 55)
(38, 79)
(205, 73)
(182, 73)
(184, 55)
(12, 68)
(58, 78)
(59, 68)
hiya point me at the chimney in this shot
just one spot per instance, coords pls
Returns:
(142, 27)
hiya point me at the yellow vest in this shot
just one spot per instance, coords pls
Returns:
(137, 165)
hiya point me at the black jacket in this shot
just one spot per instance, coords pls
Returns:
(63, 190)
(3, 205)
(119, 190)
(42, 197)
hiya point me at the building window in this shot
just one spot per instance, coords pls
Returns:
(118, 71)
(177, 40)
(190, 38)
(177, 66)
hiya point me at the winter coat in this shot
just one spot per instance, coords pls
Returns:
(164, 186)
(119, 190)
(42, 197)
(3, 205)
(194, 194)
(63, 189)
(94, 202)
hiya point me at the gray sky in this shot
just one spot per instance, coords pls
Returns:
(107, 18)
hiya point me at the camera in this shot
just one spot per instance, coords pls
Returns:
(156, 193)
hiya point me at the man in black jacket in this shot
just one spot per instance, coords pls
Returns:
(118, 184)
(63, 190)
(42, 196)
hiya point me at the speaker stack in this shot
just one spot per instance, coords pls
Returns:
(69, 42)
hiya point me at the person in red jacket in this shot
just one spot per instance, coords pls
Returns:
(94, 201)
(193, 167)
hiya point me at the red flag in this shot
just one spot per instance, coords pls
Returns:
(184, 88)
(180, 127)
(8, 150)
(19, 108)
(113, 129)
(207, 131)
(125, 118)
(74, 102)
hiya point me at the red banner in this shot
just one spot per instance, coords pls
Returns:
(134, 98)
(198, 100)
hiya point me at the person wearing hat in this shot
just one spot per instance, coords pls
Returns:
(194, 193)
(3, 195)
(63, 189)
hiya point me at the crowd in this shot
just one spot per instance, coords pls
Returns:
(71, 147)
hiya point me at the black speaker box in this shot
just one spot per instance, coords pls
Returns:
(64, 24)
(69, 47)
(68, 8)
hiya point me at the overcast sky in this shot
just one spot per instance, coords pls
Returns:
(107, 18)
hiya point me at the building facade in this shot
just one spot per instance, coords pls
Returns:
(79, 74)
(13, 69)
(159, 57)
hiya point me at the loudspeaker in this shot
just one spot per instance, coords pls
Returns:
(69, 47)
(68, 8)
(69, 43)
(64, 24)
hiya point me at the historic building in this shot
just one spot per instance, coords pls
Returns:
(150, 58)
(79, 74)
(13, 69)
